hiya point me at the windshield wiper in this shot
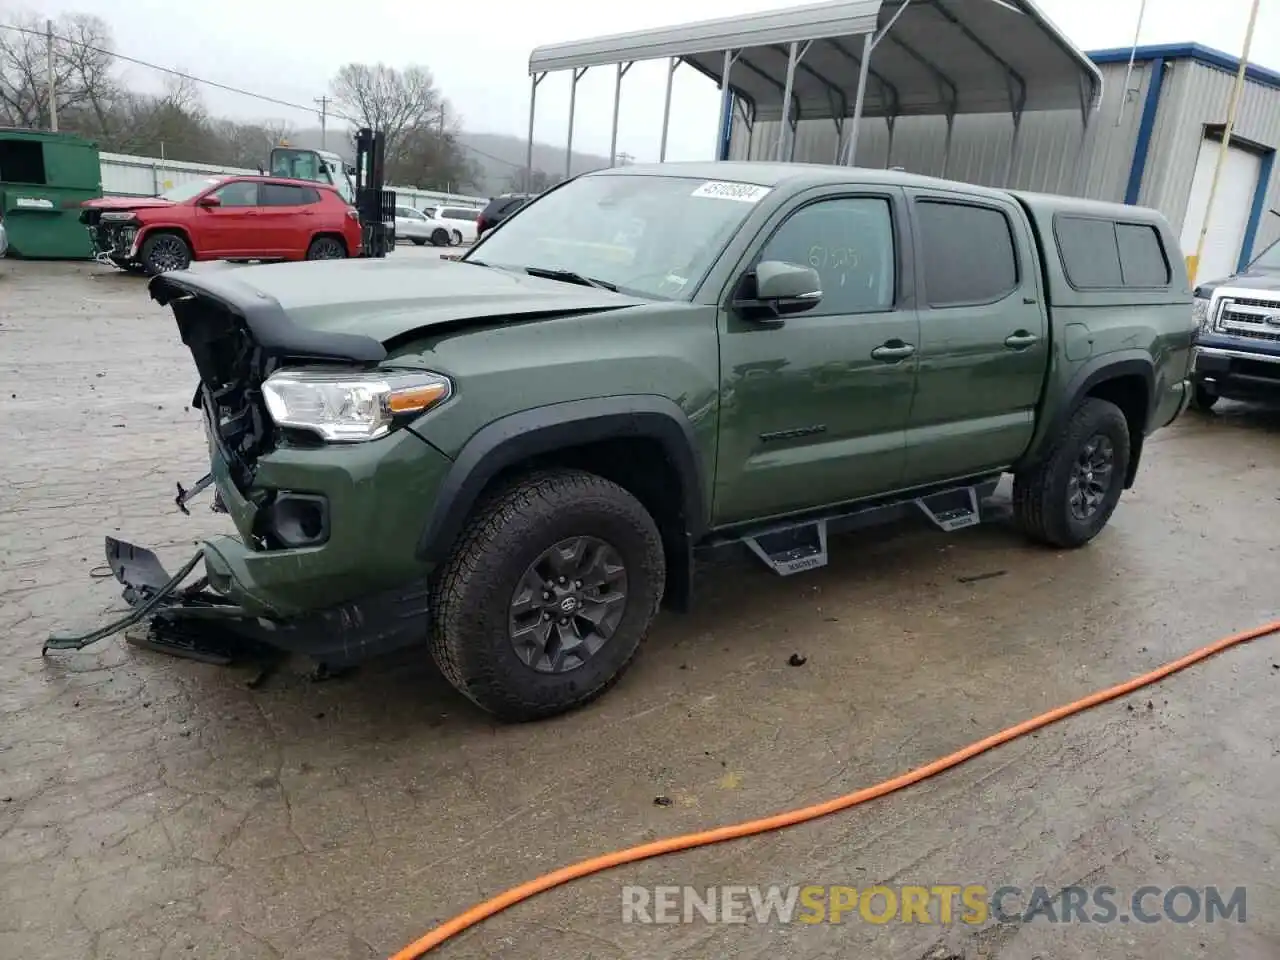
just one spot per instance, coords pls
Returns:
(553, 273)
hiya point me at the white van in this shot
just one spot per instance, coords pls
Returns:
(461, 222)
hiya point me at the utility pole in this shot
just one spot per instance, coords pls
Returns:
(53, 100)
(1232, 106)
(324, 116)
(1133, 52)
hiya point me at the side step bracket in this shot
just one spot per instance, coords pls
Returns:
(952, 509)
(792, 549)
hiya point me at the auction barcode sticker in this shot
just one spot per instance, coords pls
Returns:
(723, 190)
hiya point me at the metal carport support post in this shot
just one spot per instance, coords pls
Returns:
(528, 155)
(794, 56)
(573, 103)
(869, 42)
(726, 94)
(1016, 104)
(666, 108)
(617, 102)
(851, 150)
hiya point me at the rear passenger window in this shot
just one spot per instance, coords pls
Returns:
(1142, 259)
(1103, 254)
(969, 256)
(286, 195)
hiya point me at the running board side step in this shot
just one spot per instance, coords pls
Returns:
(952, 509)
(790, 548)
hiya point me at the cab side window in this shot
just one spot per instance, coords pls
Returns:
(850, 242)
(969, 253)
(242, 193)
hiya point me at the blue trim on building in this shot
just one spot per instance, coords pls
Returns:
(1187, 51)
(1259, 207)
(1146, 127)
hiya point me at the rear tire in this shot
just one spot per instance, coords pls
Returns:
(507, 647)
(163, 252)
(1065, 500)
(327, 248)
(439, 237)
(456, 238)
(1202, 398)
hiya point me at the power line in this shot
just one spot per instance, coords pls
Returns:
(167, 70)
(324, 101)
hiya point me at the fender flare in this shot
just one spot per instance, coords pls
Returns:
(543, 430)
(1107, 366)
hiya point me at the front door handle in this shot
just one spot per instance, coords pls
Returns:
(1020, 340)
(892, 351)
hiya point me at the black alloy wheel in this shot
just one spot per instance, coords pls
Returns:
(568, 604)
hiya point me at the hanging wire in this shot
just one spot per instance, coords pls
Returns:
(170, 71)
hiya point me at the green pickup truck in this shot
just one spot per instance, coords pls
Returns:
(514, 458)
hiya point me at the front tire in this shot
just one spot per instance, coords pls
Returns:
(419, 241)
(1067, 498)
(439, 237)
(1202, 398)
(162, 252)
(548, 595)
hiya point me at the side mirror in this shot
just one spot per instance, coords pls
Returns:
(209, 201)
(781, 288)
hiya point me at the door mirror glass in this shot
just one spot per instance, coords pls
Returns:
(210, 201)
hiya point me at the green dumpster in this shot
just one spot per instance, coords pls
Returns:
(44, 177)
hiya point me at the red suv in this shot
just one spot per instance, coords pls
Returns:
(223, 218)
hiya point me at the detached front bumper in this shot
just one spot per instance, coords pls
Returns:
(356, 591)
(203, 622)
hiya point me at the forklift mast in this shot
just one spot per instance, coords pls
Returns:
(375, 204)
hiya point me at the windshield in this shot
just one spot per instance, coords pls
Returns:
(648, 236)
(1268, 259)
(185, 191)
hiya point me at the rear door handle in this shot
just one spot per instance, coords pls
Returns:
(1021, 339)
(892, 351)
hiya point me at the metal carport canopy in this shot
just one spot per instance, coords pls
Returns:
(927, 57)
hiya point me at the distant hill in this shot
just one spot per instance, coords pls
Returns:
(498, 156)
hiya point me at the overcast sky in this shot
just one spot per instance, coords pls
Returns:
(479, 53)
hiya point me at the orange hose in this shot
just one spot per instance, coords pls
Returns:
(689, 841)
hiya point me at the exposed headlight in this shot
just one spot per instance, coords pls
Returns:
(117, 216)
(350, 408)
(1200, 311)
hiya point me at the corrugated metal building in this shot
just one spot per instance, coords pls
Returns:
(1152, 143)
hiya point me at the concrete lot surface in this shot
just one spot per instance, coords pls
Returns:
(154, 808)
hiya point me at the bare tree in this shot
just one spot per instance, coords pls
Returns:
(417, 123)
(82, 63)
(393, 101)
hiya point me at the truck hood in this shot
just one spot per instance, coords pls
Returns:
(298, 307)
(1261, 280)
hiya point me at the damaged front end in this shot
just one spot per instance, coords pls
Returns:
(285, 583)
(113, 235)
